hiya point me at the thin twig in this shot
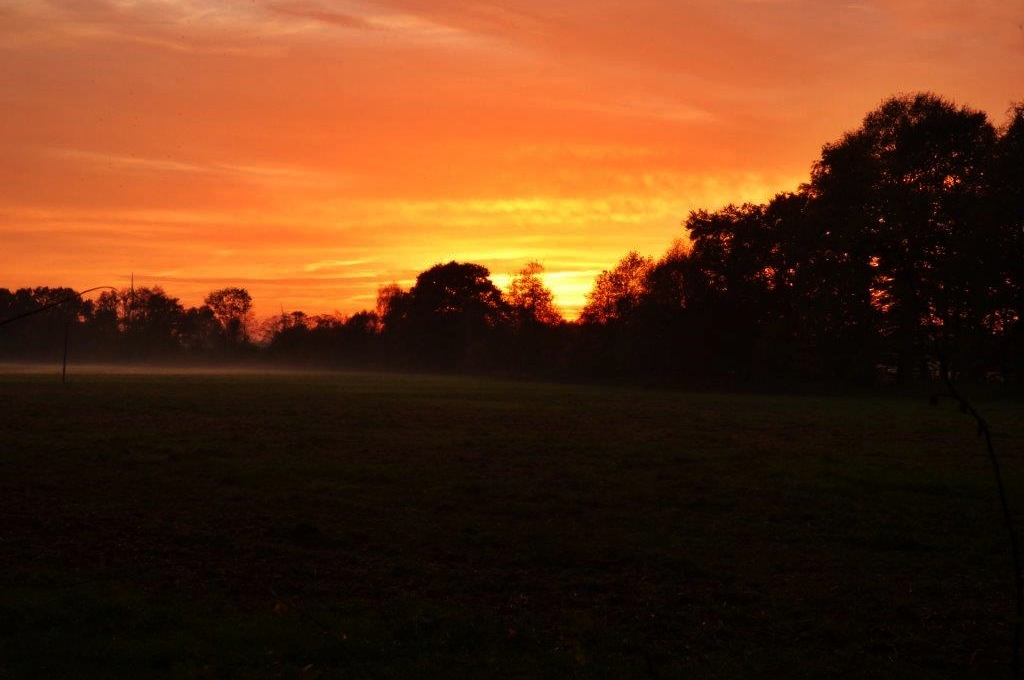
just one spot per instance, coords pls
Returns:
(62, 301)
(983, 431)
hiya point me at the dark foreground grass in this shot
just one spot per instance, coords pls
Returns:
(367, 526)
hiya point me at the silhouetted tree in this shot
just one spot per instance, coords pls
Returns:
(1005, 317)
(618, 291)
(285, 321)
(364, 323)
(535, 343)
(907, 193)
(39, 335)
(108, 318)
(199, 331)
(447, 318)
(327, 339)
(530, 301)
(611, 342)
(232, 308)
(905, 249)
(668, 336)
(392, 306)
(156, 322)
(749, 282)
(730, 285)
(134, 323)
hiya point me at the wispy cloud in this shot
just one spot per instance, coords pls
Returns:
(278, 175)
(304, 9)
(334, 265)
(401, 24)
(355, 142)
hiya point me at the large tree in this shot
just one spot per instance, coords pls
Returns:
(232, 307)
(448, 317)
(1005, 319)
(905, 195)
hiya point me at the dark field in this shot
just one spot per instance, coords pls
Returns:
(368, 526)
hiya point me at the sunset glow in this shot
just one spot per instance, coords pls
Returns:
(312, 152)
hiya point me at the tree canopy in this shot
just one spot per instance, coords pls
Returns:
(532, 302)
(231, 308)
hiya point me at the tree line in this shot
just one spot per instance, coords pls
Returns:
(902, 256)
(133, 324)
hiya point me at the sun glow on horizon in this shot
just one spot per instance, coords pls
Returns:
(343, 251)
(313, 152)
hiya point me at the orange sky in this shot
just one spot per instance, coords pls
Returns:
(314, 150)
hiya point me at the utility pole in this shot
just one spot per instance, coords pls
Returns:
(67, 322)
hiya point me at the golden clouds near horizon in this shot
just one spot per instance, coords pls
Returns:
(313, 151)
(332, 255)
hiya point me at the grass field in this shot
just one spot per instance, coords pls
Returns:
(371, 526)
